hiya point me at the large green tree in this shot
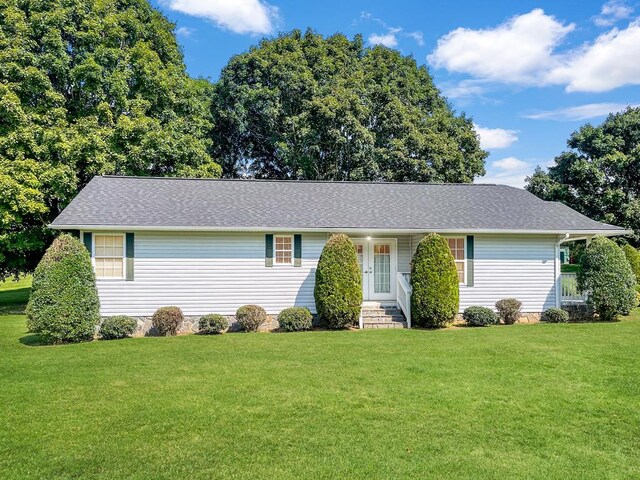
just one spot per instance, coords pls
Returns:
(600, 175)
(303, 106)
(88, 87)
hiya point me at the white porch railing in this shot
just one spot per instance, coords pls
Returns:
(403, 296)
(569, 289)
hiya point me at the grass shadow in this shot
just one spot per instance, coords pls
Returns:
(33, 340)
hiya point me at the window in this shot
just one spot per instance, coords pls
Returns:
(283, 249)
(109, 256)
(457, 250)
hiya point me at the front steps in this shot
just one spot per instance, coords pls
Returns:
(382, 316)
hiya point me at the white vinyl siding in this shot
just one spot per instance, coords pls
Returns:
(210, 273)
(505, 266)
(218, 272)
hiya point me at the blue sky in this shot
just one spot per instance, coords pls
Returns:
(529, 73)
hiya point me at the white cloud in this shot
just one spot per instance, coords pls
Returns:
(523, 51)
(492, 138)
(514, 52)
(580, 112)
(612, 12)
(185, 32)
(240, 16)
(508, 171)
(464, 89)
(611, 61)
(388, 39)
(417, 36)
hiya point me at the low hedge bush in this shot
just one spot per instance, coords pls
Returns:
(250, 317)
(554, 315)
(212, 324)
(166, 320)
(479, 316)
(509, 310)
(63, 305)
(119, 326)
(295, 319)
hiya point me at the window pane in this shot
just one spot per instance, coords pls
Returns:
(109, 267)
(460, 268)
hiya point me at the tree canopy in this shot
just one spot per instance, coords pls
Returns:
(600, 175)
(88, 87)
(302, 106)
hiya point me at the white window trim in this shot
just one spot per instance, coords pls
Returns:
(275, 253)
(124, 256)
(464, 253)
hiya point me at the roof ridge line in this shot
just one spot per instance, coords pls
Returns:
(273, 180)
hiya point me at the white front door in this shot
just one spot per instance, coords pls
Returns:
(378, 264)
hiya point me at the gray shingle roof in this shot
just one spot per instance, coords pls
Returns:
(307, 205)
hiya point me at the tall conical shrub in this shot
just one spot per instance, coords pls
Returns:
(338, 290)
(64, 305)
(435, 296)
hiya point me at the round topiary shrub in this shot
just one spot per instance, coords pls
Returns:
(250, 317)
(295, 319)
(509, 310)
(435, 296)
(338, 289)
(119, 326)
(609, 279)
(479, 316)
(212, 324)
(64, 305)
(554, 315)
(167, 320)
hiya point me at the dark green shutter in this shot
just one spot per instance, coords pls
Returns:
(87, 238)
(130, 248)
(297, 250)
(268, 250)
(470, 258)
(74, 233)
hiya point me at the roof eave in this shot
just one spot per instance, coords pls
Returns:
(156, 228)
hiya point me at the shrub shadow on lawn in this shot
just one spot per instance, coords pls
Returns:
(33, 340)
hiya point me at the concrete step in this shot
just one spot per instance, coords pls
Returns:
(368, 325)
(381, 312)
(386, 319)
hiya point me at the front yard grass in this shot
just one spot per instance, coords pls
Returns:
(523, 401)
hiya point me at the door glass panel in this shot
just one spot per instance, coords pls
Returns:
(382, 268)
(359, 252)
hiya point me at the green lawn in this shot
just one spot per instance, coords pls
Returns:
(525, 401)
(13, 295)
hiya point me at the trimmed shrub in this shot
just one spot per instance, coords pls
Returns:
(250, 317)
(607, 276)
(509, 310)
(295, 319)
(212, 324)
(64, 305)
(119, 326)
(479, 316)
(338, 289)
(166, 320)
(554, 315)
(633, 257)
(435, 297)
